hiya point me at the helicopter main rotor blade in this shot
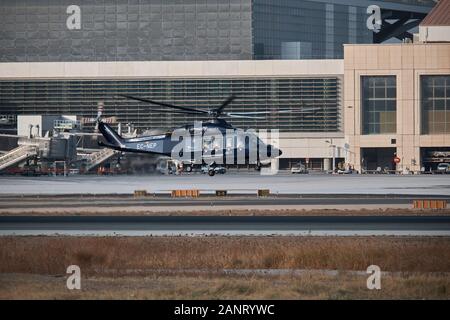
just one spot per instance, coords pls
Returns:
(163, 104)
(260, 112)
(243, 116)
(231, 115)
(305, 110)
(175, 111)
(224, 104)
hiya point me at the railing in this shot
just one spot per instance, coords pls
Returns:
(97, 158)
(17, 155)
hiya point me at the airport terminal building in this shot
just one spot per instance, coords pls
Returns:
(397, 99)
(63, 57)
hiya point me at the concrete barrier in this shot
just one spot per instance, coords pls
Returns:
(263, 192)
(430, 204)
(221, 193)
(140, 193)
(192, 193)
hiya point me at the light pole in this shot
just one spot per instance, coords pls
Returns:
(333, 153)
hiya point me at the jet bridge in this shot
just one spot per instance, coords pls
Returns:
(17, 155)
(49, 149)
(95, 159)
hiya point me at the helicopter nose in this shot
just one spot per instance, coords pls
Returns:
(274, 152)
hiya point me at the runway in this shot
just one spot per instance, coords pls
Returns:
(235, 183)
(225, 226)
(176, 203)
(118, 204)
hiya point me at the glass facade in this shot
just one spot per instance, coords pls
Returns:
(292, 29)
(413, 2)
(435, 104)
(125, 30)
(379, 105)
(313, 29)
(144, 30)
(80, 97)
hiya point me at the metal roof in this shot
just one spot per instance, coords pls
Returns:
(439, 15)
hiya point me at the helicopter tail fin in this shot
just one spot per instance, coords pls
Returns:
(110, 135)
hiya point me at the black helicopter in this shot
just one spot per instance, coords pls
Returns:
(212, 143)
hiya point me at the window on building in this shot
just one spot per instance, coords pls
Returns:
(435, 104)
(379, 107)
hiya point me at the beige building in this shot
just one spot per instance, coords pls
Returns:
(397, 104)
(397, 99)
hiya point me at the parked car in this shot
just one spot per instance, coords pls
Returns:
(212, 171)
(345, 171)
(299, 168)
(443, 168)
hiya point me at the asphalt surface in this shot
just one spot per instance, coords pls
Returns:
(9, 203)
(242, 182)
(31, 202)
(215, 225)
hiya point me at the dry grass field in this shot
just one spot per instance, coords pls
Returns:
(51, 255)
(191, 267)
(314, 285)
